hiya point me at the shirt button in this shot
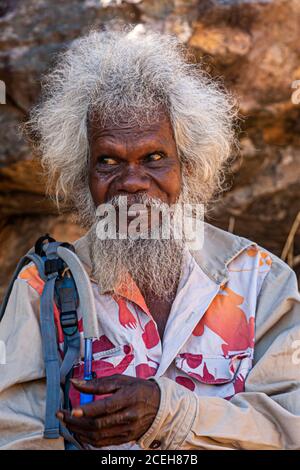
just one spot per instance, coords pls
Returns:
(155, 445)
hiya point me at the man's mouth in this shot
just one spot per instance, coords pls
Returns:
(136, 216)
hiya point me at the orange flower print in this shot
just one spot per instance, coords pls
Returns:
(226, 318)
(252, 251)
(265, 259)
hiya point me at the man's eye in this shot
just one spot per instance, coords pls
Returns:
(154, 157)
(107, 160)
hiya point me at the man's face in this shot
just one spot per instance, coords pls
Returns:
(128, 160)
(141, 163)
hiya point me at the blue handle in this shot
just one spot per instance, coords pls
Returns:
(88, 373)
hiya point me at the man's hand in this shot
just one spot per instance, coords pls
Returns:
(121, 417)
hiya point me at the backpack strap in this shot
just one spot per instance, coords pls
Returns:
(67, 302)
(89, 315)
(51, 259)
(85, 291)
(49, 341)
(49, 265)
(63, 288)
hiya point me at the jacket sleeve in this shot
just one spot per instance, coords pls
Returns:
(267, 414)
(22, 376)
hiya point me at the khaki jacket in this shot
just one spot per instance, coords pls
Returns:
(241, 392)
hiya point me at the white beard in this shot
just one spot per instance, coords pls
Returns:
(154, 264)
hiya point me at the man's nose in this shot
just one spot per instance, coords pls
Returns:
(133, 180)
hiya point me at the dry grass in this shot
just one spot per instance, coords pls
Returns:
(288, 250)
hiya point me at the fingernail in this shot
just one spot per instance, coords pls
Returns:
(60, 415)
(77, 412)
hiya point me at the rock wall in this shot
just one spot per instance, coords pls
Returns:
(254, 45)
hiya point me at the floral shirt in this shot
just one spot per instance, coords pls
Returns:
(231, 294)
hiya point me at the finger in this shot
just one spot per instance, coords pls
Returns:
(101, 386)
(108, 424)
(108, 405)
(82, 423)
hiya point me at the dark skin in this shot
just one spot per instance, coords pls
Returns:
(126, 160)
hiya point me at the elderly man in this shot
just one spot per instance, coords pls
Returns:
(197, 347)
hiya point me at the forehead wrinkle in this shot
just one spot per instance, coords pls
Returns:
(146, 139)
(127, 129)
(97, 129)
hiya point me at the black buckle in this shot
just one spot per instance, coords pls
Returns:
(67, 305)
(54, 266)
(69, 323)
